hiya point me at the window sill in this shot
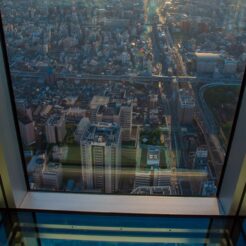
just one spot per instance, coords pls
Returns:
(122, 204)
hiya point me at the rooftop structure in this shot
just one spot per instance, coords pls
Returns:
(102, 133)
(206, 62)
(110, 109)
(100, 157)
(52, 175)
(34, 170)
(36, 161)
(27, 131)
(201, 158)
(81, 128)
(153, 156)
(55, 120)
(186, 99)
(98, 100)
(46, 110)
(186, 106)
(207, 56)
(55, 129)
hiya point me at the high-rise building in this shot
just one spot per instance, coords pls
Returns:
(126, 121)
(206, 62)
(120, 114)
(55, 129)
(100, 157)
(23, 108)
(52, 176)
(209, 188)
(186, 106)
(95, 103)
(81, 128)
(108, 113)
(201, 158)
(27, 130)
(230, 66)
(153, 156)
(34, 170)
(153, 100)
(142, 178)
(152, 182)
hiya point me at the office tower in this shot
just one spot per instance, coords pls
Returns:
(206, 62)
(242, 16)
(208, 188)
(230, 66)
(166, 138)
(201, 158)
(125, 57)
(23, 108)
(95, 103)
(186, 106)
(142, 178)
(120, 114)
(153, 157)
(161, 178)
(50, 76)
(81, 128)
(100, 157)
(154, 182)
(52, 175)
(27, 130)
(109, 113)
(46, 110)
(130, 153)
(126, 121)
(153, 100)
(34, 170)
(55, 129)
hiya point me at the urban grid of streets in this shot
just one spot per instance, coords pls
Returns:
(138, 57)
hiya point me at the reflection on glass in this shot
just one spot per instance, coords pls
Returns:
(108, 230)
(125, 97)
(2, 198)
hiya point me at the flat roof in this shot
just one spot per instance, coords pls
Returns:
(55, 120)
(99, 100)
(186, 99)
(207, 55)
(102, 133)
(110, 109)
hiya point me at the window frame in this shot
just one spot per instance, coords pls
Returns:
(19, 194)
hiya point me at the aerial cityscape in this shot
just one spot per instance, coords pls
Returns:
(125, 96)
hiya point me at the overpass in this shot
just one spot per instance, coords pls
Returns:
(134, 78)
(130, 78)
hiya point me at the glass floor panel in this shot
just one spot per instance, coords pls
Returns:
(43, 228)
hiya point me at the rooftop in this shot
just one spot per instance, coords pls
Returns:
(201, 153)
(98, 100)
(102, 134)
(37, 161)
(186, 99)
(24, 119)
(110, 109)
(207, 56)
(153, 156)
(55, 120)
(52, 167)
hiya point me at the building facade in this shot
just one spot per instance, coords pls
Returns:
(55, 129)
(100, 157)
